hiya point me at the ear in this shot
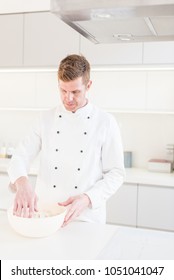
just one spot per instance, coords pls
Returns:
(89, 85)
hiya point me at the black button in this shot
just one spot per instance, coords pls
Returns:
(88, 117)
(85, 132)
(75, 187)
(81, 151)
(55, 167)
(56, 150)
(78, 169)
(54, 186)
(60, 116)
(58, 132)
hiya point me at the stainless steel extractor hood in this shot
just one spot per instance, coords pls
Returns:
(116, 21)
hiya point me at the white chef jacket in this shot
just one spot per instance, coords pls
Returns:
(80, 152)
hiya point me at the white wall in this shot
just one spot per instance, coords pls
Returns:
(145, 134)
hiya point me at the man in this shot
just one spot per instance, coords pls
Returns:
(81, 155)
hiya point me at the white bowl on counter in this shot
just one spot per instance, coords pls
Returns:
(45, 222)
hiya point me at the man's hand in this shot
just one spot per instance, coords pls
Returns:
(77, 204)
(26, 200)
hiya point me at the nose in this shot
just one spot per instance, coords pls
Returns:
(69, 96)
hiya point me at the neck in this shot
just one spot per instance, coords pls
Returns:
(85, 103)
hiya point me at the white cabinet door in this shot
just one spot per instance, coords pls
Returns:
(11, 46)
(47, 40)
(158, 53)
(122, 206)
(110, 54)
(156, 207)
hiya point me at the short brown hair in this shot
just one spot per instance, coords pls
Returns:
(72, 67)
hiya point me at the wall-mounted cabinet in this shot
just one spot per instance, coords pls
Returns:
(42, 39)
(47, 40)
(35, 39)
(11, 46)
(158, 53)
(111, 54)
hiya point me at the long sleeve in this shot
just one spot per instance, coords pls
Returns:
(25, 153)
(112, 167)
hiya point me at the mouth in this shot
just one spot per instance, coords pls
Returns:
(69, 104)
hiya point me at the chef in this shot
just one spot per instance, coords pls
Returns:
(80, 151)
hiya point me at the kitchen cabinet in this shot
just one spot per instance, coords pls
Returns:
(110, 54)
(155, 207)
(128, 53)
(47, 40)
(122, 206)
(11, 30)
(158, 53)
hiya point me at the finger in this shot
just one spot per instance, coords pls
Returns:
(67, 202)
(15, 206)
(35, 204)
(18, 210)
(31, 209)
(74, 215)
(25, 210)
(69, 213)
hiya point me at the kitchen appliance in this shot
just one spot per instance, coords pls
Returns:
(116, 21)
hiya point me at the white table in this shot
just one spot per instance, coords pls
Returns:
(80, 240)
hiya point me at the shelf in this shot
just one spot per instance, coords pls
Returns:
(123, 111)
(136, 67)
(110, 110)
(24, 109)
(94, 68)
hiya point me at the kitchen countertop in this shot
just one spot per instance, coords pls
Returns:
(80, 240)
(143, 176)
(133, 175)
(4, 162)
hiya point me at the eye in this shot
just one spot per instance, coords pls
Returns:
(76, 92)
(63, 91)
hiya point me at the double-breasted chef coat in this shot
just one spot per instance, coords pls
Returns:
(80, 152)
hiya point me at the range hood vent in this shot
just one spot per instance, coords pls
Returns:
(117, 21)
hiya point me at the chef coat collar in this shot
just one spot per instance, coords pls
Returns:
(80, 112)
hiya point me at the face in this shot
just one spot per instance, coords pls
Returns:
(73, 94)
